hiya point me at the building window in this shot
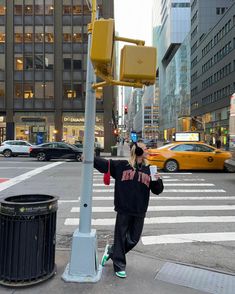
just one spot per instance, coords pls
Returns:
(77, 90)
(39, 35)
(19, 64)
(77, 62)
(18, 9)
(77, 9)
(39, 8)
(49, 61)
(2, 35)
(38, 61)
(2, 89)
(18, 90)
(67, 34)
(2, 9)
(28, 91)
(49, 8)
(67, 9)
(49, 34)
(67, 61)
(39, 89)
(2, 62)
(28, 10)
(28, 62)
(77, 34)
(49, 90)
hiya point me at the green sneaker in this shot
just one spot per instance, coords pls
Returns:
(121, 274)
(105, 257)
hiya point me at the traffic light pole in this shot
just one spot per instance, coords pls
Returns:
(84, 265)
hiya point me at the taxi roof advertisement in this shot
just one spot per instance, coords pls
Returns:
(187, 137)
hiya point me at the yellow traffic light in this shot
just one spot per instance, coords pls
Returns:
(138, 63)
(102, 45)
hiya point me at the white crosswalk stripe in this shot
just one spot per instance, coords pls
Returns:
(212, 212)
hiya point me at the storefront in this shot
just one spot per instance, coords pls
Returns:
(36, 128)
(73, 128)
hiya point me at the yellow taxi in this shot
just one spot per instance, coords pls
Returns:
(188, 156)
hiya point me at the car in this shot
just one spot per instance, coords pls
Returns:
(15, 147)
(230, 163)
(188, 156)
(151, 143)
(55, 150)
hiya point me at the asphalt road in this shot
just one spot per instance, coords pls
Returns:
(192, 221)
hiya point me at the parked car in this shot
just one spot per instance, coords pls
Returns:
(188, 156)
(55, 150)
(15, 147)
(230, 163)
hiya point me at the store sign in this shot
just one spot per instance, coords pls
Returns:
(73, 119)
(33, 119)
(1, 119)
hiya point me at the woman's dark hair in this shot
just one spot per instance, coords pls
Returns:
(138, 151)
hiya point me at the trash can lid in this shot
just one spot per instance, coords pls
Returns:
(32, 204)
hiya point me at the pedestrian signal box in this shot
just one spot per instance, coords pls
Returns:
(138, 63)
(102, 45)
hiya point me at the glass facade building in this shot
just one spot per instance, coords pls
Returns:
(43, 57)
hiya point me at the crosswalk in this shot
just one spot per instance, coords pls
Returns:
(204, 206)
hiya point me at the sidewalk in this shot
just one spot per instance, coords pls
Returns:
(141, 270)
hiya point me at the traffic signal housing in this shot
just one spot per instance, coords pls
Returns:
(138, 63)
(125, 110)
(101, 53)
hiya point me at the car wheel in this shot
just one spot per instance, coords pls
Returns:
(171, 166)
(41, 156)
(78, 157)
(7, 153)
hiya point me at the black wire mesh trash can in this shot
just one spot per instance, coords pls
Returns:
(27, 239)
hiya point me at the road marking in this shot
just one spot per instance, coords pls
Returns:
(26, 176)
(3, 180)
(188, 238)
(170, 191)
(168, 184)
(160, 198)
(16, 167)
(159, 220)
(166, 208)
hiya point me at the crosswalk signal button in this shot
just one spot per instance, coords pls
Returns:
(138, 63)
(102, 45)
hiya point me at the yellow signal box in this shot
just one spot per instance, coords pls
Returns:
(138, 63)
(102, 45)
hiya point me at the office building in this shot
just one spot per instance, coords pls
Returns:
(212, 65)
(43, 57)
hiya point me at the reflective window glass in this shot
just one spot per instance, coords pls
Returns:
(77, 9)
(18, 37)
(39, 7)
(77, 61)
(49, 90)
(67, 90)
(39, 90)
(38, 61)
(67, 61)
(49, 61)
(2, 35)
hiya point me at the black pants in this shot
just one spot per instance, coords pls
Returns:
(127, 233)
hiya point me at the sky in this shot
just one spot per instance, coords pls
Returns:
(133, 19)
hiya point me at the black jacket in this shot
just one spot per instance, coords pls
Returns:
(132, 187)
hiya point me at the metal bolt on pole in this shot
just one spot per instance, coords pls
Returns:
(84, 265)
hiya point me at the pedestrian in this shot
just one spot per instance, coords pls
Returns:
(131, 198)
(218, 143)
